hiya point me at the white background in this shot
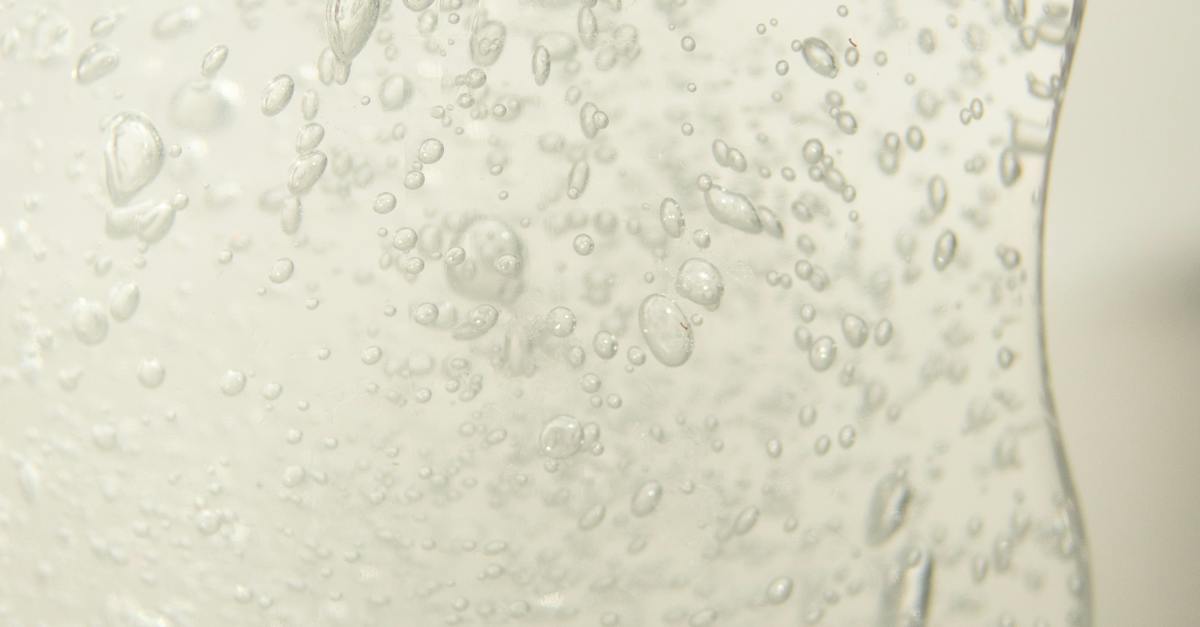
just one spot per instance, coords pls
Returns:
(1123, 304)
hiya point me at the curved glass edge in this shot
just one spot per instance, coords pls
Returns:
(1073, 508)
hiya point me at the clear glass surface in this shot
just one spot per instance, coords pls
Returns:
(421, 312)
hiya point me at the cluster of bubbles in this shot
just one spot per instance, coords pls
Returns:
(566, 313)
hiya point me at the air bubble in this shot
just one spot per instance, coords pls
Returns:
(561, 321)
(371, 355)
(349, 24)
(151, 373)
(822, 354)
(394, 92)
(133, 156)
(309, 137)
(583, 244)
(233, 382)
(561, 437)
(123, 300)
(700, 282)
(733, 209)
(779, 590)
(605, 344)
(305, 172)
(431, 151)
(277, 95)
(89, 322)
(541, 65)
(944, 250)
(666, 330)
(671, 217)
(819, 56)
(855, 330)
(646, 499)
(214, 60)
(96, 62)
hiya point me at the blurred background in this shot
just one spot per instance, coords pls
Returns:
(1123, 305)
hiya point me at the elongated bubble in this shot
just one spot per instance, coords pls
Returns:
(133, 156)
(541, 65)
(732, 208)
(349, 24)
(277, 94)
(95, 62)
(819, 56)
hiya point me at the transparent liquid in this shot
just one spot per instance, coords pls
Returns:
(637, 313)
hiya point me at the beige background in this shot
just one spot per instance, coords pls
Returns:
(1123, 304)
